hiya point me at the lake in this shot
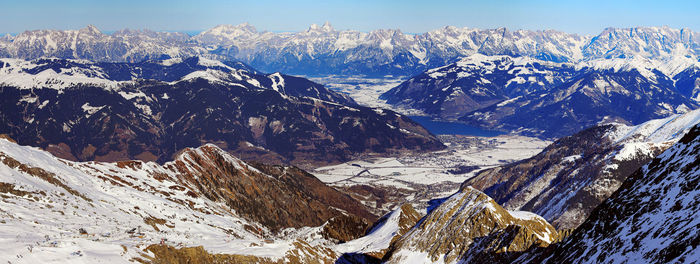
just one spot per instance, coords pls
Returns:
(453, 128)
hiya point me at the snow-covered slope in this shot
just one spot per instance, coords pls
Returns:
(57, 211)
(380, 237)
(475, 82)
(652, 218)
(573, 175)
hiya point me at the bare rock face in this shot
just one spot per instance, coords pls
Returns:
(276, 197)
(652, 218)
(471, 227)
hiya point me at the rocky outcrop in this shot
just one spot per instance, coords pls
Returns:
(471, 227)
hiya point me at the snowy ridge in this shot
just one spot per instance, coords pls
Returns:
(60, 74)
(646, 66)
(377, 239)
(652, 218)
(19, 73)
(126, 206)
(591, 164)
(654, 134)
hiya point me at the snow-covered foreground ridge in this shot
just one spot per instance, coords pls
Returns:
(572, 176)
(652, 218)
(58, 211)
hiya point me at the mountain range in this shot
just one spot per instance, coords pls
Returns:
(517, 93)
(323, 50)
(160, 147)
(81, 110)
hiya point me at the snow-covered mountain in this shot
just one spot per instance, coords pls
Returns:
(652, 218)
(58, 211)
(324, 50)
(476, 82)
(572, 176)
(91, 44)
(516, 93)
(83, 110)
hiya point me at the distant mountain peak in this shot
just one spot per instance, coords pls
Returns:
(226, 29)
(90, 29)
(326, 27)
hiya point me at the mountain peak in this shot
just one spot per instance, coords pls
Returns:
(7, 37)
(246, 26)
(326, 27)
(227, 32)
(471, 227)
(91, 29)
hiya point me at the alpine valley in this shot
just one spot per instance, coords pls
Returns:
(235, 145)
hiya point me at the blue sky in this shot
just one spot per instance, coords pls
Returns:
(414, 16)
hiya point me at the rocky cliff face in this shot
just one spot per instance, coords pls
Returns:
(651, 218)
(572, 176)
(471, 227)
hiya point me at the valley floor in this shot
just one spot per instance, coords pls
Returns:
(365, 91)
(422, 177)
(385, 183)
